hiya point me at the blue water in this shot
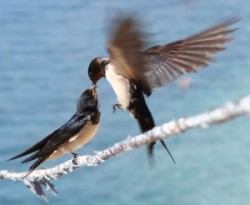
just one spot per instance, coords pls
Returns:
(45, 49)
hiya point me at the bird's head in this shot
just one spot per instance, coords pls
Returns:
(88, 100)
(96, 69)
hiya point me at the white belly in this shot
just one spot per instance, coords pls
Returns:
(77, 141)
(120, 85)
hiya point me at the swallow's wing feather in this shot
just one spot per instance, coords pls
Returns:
(125, 49)
(164, 63)
(72, 127)
(159, 65)
(64, 133)
(34, 148)
(46, 146)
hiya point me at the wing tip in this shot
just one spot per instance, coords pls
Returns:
(15, 157)
(233, 20)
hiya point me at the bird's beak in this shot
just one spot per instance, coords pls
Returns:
(94, 86)
(93, 90)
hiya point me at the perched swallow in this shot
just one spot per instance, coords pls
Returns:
(133, 71)
(78, 131)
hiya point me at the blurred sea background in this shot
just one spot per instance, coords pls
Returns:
(45, 49)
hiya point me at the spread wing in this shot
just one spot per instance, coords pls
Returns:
(167, 62)
(125, 50)
(46, 146)
(161, 64)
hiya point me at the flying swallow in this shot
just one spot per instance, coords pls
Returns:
(134, 72)
(78, 131)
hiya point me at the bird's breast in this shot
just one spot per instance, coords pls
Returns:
(120, 85)
(77, 141)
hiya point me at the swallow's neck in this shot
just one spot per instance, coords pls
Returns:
(120, 85)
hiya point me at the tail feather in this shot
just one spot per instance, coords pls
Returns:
(151, 149)
(32, 157)
(37, 163)
(32, 149)
(165, 146)
(151, 159)
(34, 166)
(141, 113)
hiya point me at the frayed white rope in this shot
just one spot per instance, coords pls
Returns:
(40, 179)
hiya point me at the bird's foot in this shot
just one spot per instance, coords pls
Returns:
(75, 155)
(116, 107)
